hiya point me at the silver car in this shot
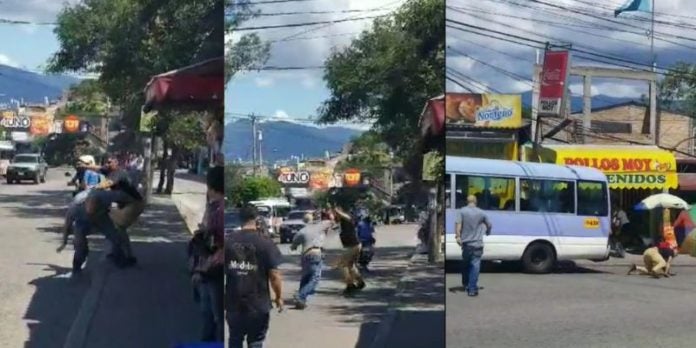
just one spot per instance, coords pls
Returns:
(27, 167)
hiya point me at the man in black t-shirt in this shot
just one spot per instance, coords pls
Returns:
(351, 251)
(118, 189)
(251, 262)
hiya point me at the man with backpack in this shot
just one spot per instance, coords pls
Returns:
(206, 257)
(251, 263)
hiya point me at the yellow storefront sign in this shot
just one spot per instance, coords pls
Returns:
(626, 167)
(484, 110)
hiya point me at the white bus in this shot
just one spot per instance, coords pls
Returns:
(540, 213)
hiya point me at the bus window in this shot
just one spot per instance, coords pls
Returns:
(592, 198)
(549, 196)
(492, 193)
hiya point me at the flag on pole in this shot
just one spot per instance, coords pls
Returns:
(634, 5)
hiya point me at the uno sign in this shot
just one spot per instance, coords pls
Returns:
(626, 170)
(15, 122)
(294, 178)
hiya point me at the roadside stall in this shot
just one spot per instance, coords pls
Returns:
(633, 172)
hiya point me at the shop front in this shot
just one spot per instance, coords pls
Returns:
(633, 173)
(483, 125)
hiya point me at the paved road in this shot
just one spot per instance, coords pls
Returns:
(596, 305)
(37, 301)
(331, 320)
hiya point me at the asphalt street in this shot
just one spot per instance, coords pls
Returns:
(37, 301)
(332, 320)
(592, 305)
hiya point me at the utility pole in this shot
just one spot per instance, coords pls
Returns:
(260, 138)
(253, 139)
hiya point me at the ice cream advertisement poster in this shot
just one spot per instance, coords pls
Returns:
(484, 110)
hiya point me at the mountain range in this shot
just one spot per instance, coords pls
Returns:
(598, 101)
(282, 140)
(33, 87)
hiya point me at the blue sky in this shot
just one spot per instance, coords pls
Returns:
(28, 46)
(624, 37)
(293, 95)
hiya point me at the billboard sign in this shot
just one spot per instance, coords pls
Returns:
(40, 125)
(14, 122)
(484, 110)
(289, 177)
(352, 177)
(71, 124)
(554, 76)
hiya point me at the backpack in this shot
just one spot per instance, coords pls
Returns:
(200, 249)
(245, 282)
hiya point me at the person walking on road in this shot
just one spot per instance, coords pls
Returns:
(657, 260)
(470, 226)
(207, 258)
(311, 240)
(619, 220)
(366, 234)
(351, 252)
(251, 262)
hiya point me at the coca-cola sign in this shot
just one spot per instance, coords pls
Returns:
(553, 82)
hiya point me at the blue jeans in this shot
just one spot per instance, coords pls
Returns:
(471, 257)
(311, 274)
(250, 325)
(211, 304)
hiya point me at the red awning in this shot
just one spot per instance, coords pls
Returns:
(198, 84)
(433, 117)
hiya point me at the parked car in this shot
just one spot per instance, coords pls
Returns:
(27, 167)
(292, 224)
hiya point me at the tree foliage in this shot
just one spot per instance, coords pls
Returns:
(241, 189)
(368, 153)
(86, 99)
(126, 42)
(245, 51)
(678, 88)
(388, 73)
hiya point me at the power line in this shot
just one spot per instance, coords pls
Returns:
(275, 1)
(294, 25)
(295, 13)
(19, 22)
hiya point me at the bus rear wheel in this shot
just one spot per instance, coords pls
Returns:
(539, 258)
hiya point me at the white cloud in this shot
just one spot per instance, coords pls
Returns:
(33, 10)
(263, 81)
(281, 114)
(6, 60)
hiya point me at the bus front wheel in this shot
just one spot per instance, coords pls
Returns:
(539, 258)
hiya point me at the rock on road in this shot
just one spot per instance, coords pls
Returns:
(37, 301)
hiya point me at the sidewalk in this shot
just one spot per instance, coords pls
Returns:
(150, 305)
(188, 196)
(417, 313)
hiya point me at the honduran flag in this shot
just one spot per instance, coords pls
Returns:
(634, 5)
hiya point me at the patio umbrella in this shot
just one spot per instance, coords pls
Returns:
(662, 200)
(199, 84)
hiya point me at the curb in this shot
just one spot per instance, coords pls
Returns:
(190, 214)
(385, 326)
(79, 330)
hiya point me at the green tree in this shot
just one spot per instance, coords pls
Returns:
(233, 183)
(127, 42)
(182, 134)
(257, 187)
(678, 88)
(248, 52)
(368, 153)
(388, 73)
